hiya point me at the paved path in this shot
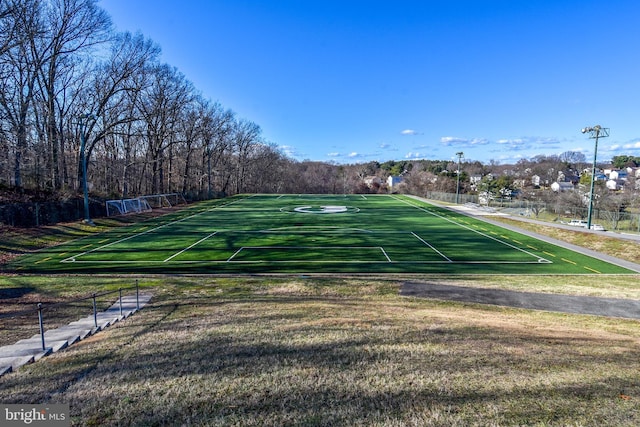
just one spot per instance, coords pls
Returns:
(487, 214)
(611, 307)
(29, 350)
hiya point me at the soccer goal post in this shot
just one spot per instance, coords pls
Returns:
(125, 206)
(164, 200)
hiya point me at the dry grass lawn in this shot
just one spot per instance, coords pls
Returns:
(339, 352)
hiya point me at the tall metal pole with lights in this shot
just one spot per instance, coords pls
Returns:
(459, 154)
(82, 123)
(594, 132)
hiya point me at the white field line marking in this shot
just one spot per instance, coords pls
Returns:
(308, 247)
(431, 246)
(234, 255)
(73, 258)
(315, 229)
(187, 248)
(540, 259)
(313, 262)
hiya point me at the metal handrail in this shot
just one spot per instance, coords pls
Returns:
(49, 306)
(41, 307)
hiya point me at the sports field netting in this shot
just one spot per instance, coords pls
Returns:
(315, 234)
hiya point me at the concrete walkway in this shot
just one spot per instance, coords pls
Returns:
(596, 306)
(598, 255)
(30, 350)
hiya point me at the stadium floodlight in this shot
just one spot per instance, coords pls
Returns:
(459, 154)
(83, 120)
(594, 132)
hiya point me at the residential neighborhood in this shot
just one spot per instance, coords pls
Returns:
(552, 187)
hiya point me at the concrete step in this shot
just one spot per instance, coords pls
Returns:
(9, 364)
(30, 350)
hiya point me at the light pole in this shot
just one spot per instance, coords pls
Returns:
(82, 123)
(459, 154)
(594, 132)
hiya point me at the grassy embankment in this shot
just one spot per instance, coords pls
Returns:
(277, 351)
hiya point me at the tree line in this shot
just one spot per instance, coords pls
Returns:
(66, 77)
(64, 71)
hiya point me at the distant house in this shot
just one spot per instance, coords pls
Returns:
(615, 184)
(616, 174)
(568, 176)
(562, 186)
(393, 181)
(535, 180)
(372, 180)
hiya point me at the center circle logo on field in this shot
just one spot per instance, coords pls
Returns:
(330, 209)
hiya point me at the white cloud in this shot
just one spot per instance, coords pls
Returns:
(633, 146)
(452, 140)
(414, 155)
(288, 150)
(353, 154)
(624, 148)
(527, 143)
(334, 154)
(409, 132)
(510, 141)
(479, 141)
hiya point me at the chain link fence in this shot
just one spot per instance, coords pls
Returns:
(610, 220)
(35, 214)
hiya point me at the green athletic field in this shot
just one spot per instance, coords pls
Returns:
(313, 234)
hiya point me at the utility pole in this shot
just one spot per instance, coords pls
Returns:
(459, 154)
(595, 132)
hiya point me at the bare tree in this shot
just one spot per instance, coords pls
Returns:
(74, 27)
(60, 60)
(162, 107)
(12, 16)
(192, 130)
(114, 89)
(217, 129)
(19, 66)
(246, 134)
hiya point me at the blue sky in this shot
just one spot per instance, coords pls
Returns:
(352, 81)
